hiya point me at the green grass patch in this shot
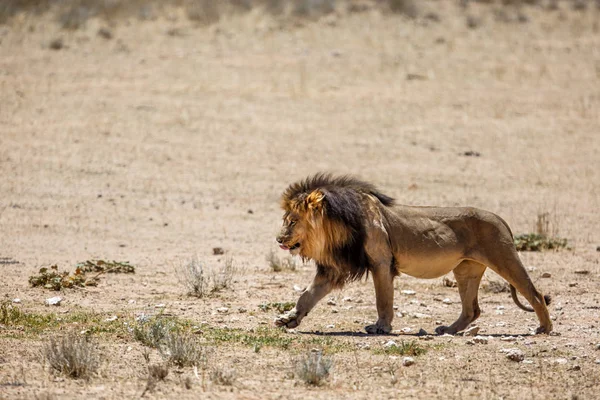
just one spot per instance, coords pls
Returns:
(280, 307)
(411, 348)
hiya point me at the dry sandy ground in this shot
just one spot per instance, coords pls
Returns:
(153, 146)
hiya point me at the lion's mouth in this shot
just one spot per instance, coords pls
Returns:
(290, 248)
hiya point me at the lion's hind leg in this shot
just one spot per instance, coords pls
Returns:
(468, 275)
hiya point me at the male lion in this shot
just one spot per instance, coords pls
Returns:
(349, 229)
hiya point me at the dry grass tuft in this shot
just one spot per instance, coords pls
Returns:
(183, 350)
(72, 355)
(278, 264)
(223, 376)
(313, 368)
(201, 281)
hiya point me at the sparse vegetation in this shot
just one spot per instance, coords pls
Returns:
(278, 264)
(103, 266)
(313, 367)
(411, 348)
(51, 278)
(153, 331)
(201, 281)
(72, 355)
(536, 242)
(156, 373)
(280, 307)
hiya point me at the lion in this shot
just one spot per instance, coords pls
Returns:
(350, 229)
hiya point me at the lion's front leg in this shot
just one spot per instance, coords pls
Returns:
(318, 289)
(384, 293)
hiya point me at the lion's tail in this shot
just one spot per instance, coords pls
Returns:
(513, 293)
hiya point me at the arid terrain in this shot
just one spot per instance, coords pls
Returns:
(156, 141)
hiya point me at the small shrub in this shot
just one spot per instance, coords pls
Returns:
(183, 350)
(112, 267)
(223, 376)
(72, 355)
(153, 331)
(496, 286)
(313, 368)
(536, 242)
(53, 279)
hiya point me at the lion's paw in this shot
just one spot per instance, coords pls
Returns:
(543, 330)
(289, 320)
(445, 330)
(377, 329)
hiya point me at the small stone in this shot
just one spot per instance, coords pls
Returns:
(582, 272)
(54, 301)
(573, 284)
(546, 275)
(334, 311)
(422, 332)
(508, 338)
(500, 324)
(105, 33)
(222, 310)
(111, 319)
(400, 314)
(575, 368)
(405, 330)
(389, 344)
(449, 282)
(330, 326)
(560, 361)
(480, 339)
(408, 361)
(17, 301)
(331, 302)
(500, 308)
(217, 251)
(131, 302)
(242, 310)
(57, 44)
(514, 354)
(470, 342)
(408, 292)
(347, 299)
(129, 348)
(364, 346)
(472, 331)
(597, 346)
(597, 361)
(161, 305)
(298, 288)
(447, 301)
(531, 269)
(420, 315)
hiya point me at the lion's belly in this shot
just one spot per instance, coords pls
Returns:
(428, 268)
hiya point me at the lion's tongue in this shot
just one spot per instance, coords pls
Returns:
(283, 247)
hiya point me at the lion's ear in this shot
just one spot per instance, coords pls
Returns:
(315, 201)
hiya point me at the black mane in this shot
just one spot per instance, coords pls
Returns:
(344, 203)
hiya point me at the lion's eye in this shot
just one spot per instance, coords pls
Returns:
(292, 223)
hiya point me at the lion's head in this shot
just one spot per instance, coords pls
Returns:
(324, 221)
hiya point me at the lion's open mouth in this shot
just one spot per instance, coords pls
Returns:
(290, 248)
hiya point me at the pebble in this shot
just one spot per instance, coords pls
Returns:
(331, 302)
(546, 275)
(408, 292)
(348, 299)
(330, 326)
(514, 354)
(334, 311)
(420, 315)
(389, 344)
(480, 339)
(242, 310)
(408, 361)
(422, 332)
(582, 272)
(364, 346)
(111, 319)
(472, 331)
(501, 324)
(560, 361)
(298, 288)
(508, 338)
(223, 310)
(573, 284)
(17, 301)
(54, 301)
(447, 301)
(405, 330)
(161, 305)
(597, 361)
(598, 346)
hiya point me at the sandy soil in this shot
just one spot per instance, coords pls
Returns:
(168, 140)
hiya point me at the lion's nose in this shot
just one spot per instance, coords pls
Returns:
(279, 239)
